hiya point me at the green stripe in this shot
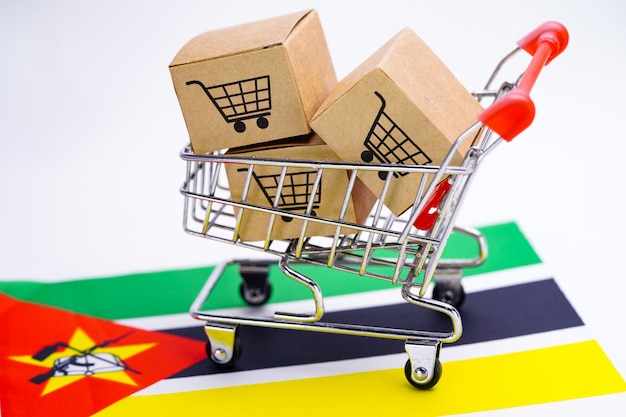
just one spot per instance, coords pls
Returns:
(508, 248)
(171, 292)
(136, 295)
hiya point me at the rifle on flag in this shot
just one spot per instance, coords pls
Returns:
(63, 364)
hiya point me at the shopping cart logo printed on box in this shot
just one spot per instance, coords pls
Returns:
(390, 144)
(241, 100)
(293, 194)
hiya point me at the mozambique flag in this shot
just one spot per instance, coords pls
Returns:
(56, 362)
(126, 345)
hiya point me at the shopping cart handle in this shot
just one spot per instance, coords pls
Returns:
(513, 113)
(427, 217)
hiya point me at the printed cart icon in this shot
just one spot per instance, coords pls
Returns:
(293, 194)
(241, 100)
(390, 144)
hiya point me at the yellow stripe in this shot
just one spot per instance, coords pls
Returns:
(540, 376)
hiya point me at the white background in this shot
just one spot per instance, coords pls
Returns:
(90, 132)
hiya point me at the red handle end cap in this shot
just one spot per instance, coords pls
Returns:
(552, 32)
(510, 115)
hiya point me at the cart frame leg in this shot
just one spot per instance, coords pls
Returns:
(313, 286)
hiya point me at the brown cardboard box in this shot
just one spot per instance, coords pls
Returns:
(254, 82)
(327, 201)
(402, 105)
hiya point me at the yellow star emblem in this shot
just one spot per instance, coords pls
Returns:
(79, 360)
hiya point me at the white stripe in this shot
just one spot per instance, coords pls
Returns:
(377, 363)
(515, 344)
(377, 298)
(506, 278)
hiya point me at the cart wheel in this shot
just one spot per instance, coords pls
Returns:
(286, 219)
(240, 126)
(367, 156)
(383, 175)
(262, 122)
(447, 293)
(232, 361)
(255, 295)
(427, 385)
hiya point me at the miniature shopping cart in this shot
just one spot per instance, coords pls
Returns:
(292, 192)
(390, 144)
(241, 100)
(402, 250)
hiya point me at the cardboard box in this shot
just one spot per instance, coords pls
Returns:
(253, 83)
(402, 105)
(297, 187)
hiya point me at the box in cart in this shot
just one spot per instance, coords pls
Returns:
(401, 106)
(297, 190)
(252, 83)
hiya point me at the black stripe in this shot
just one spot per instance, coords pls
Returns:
(487, 315)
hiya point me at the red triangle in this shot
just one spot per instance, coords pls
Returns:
(109, 362)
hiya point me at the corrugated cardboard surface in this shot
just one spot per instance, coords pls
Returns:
(235, 40)
(405, 90)
(287, 71)
(327, 204)
(311, 63)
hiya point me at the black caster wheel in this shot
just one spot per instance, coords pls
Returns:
(230, 363)
(255, 296)
(367, 156)
(383, 175)
(255, 286)
(447, 293)
(426, 385)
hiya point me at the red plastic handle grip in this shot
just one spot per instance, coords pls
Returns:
(514, 112)
(426, 219)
